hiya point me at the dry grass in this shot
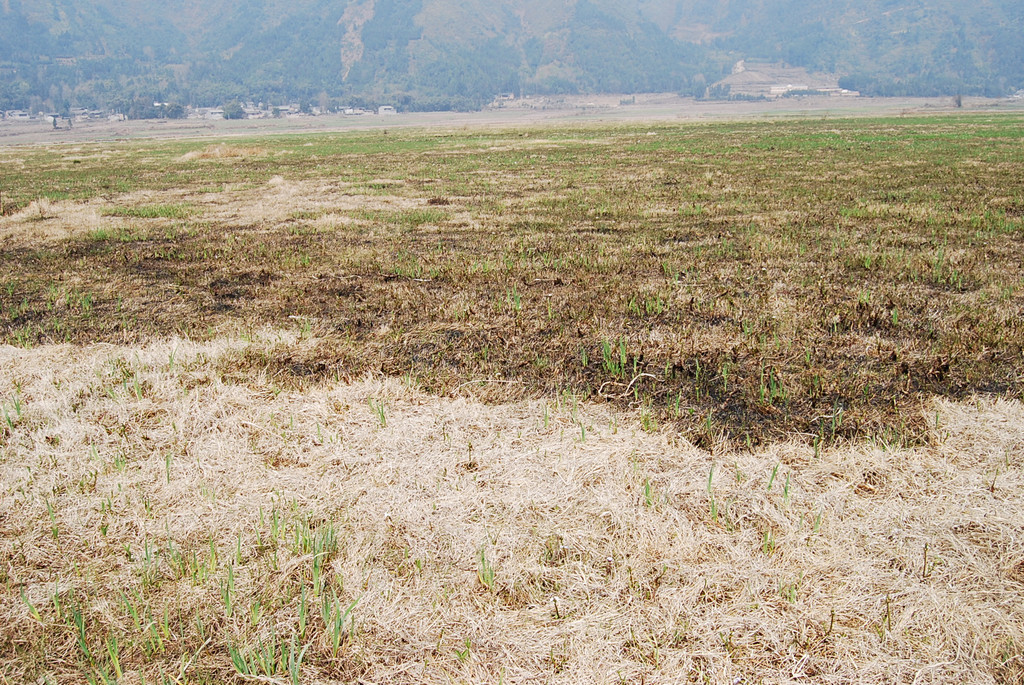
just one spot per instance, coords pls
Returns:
(223, 151)
(139, 478)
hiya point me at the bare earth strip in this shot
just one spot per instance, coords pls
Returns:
(164, 521)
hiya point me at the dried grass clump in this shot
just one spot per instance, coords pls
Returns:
(223, 151)
(37, 210)
(159, 518)
(47, 221)
(322, 203)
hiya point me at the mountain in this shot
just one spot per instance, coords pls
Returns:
(58, 54)
(884, 47)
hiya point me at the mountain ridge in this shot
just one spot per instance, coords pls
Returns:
(460, 54)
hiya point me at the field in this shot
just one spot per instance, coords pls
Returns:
(718, 402)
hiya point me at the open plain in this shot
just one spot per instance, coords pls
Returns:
(666, 401)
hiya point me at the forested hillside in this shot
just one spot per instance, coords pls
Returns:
(437, 54)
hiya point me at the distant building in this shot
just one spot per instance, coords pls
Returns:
(778, 91)
(210, 113)
(386, 110)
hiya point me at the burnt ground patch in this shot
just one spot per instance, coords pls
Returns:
(698, 275)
